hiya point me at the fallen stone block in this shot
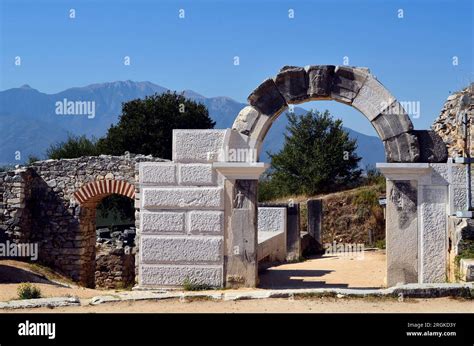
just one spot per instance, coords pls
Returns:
(40, 303)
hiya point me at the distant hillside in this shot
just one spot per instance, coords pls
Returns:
(29, 123)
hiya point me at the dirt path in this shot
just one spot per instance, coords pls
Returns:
(366, 270)
(315, 305)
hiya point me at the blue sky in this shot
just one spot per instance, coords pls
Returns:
(411, 56)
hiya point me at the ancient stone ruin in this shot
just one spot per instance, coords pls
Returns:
(197, 214)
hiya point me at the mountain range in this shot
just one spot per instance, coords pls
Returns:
(30, 123)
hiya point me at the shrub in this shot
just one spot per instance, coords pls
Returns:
(28, 291)
(188, 285)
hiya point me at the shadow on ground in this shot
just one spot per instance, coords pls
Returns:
(10, 274)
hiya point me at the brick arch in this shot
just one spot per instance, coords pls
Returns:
(101, 188)
(353, 86)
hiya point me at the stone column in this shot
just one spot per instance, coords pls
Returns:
(240, 230)
(315, 220)
(240, 245)
(403, 233)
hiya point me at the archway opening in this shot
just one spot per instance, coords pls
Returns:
(107, 234)
(115, 242)
(348, 250)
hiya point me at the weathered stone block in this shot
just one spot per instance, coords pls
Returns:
(160, 173)
(173, 222)
(433, 234)
(391, 125)
(197, 145)
(458, 174)
(268, 99)
(347, 82)
(181, 249)
(293, 84)
(190, 198)
(372, 98)
(271, 219)
(246, 119)
(402, 232)
(320, 81)
(196, 174)
(206, 222)
(175, 275)
(402, 148)
(432, 147)
(440, 174)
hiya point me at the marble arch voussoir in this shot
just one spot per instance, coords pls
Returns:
(353, 86)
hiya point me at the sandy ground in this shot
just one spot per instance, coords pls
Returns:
(326, 271)
(314, 305)
(13, 273)
(365, 270)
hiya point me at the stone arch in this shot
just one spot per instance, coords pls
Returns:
(88, 197)
(101, 188)
(353, 86)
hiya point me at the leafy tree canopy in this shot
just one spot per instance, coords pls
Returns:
(318, 156)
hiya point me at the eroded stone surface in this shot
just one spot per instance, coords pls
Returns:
(372, 99)
(432, 147)
(402, 148)
(293, 84)
(246, 119)
(320, 81)
(172, 198)
(347, 82)
(268, 99)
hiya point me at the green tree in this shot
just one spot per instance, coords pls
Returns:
(74, 146)
(317, 156)
(146, 125)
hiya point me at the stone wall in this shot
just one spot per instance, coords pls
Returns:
(272, 226)
(115, 267)
(53, 203)
(449, 126)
